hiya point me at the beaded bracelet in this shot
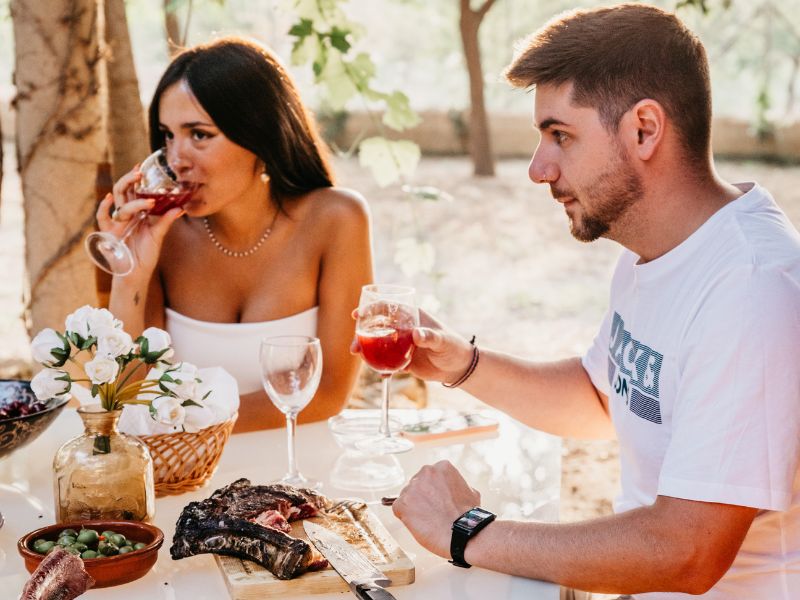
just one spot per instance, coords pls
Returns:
(475, 357)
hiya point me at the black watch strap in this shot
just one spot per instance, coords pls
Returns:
(465, 528)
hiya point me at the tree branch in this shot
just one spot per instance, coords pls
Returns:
(487, 6)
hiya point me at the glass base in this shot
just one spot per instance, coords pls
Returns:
(355, 471)
(384, 445)
(109, 253)
(300, 481)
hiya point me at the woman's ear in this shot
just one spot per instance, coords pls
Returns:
(645, 121)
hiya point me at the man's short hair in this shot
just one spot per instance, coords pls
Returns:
(616, 56)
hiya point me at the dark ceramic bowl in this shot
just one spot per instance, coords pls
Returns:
(109, 571)
(16, 432)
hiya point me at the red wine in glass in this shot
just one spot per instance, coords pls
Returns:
(387, 315)
(158, 182)
(386, 349)
(166, 200)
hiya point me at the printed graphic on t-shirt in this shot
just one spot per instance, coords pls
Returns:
(633, 370)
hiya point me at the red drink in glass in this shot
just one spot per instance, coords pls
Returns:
(386, 349)
(166, 200)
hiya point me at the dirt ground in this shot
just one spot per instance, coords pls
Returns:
(506, 270)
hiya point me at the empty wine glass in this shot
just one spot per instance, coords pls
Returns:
(387, 314)
(291, 367)
(158, 183)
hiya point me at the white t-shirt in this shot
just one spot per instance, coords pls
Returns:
(699, 355)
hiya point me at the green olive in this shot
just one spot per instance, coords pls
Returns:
(79, 546)
(39, 541)
(125, 549)
(88, 536)
(88, 554)
(44, 547)
(51, 548)
(139, 546)
(118, 539)
(107, 534)
(73, 550)
(69, 532)
(109, 549)
(66, 540)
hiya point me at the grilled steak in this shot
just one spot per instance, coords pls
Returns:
(252, 522)
(60, 576)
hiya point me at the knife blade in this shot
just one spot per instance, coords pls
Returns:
(366, 581)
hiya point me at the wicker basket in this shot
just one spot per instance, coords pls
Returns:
(183, 462)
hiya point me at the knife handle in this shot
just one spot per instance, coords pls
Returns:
(370, 591)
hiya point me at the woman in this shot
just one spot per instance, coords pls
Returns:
(266, 246)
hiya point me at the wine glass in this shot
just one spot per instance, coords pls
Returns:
(387, 314)
(291, 367)
(158, 183)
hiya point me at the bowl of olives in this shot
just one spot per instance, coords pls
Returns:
(113, 552)
(22, 416)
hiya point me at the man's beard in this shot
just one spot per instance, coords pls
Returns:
(612, 195)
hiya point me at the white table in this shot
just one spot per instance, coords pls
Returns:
(517, 471)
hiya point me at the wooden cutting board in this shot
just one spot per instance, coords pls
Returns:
(247, 580)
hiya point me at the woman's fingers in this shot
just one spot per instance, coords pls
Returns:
(163, 223)
(103, 214)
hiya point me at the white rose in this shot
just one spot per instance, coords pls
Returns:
(197, 418)
(158, 340)
(78, 322)
(184, 381)
(101, 369)
(169, 411)
(100, 319)
(112, 342)
(43, 344)
(45, 384)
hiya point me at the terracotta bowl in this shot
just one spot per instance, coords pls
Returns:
(18, 431)
(113, 570)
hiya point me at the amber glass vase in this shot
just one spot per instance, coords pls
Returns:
(103, 474)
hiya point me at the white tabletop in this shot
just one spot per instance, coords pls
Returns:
(517, 472)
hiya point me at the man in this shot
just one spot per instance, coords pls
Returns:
(695, 368)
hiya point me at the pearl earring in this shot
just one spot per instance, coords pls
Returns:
(264, 177)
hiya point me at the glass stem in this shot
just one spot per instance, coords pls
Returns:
(291, 424)
(384, 429)
(140, 216)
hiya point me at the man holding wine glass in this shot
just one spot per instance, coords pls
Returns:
(694, 368)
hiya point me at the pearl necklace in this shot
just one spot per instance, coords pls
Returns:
(234, 253)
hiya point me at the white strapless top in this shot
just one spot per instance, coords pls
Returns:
(232, 346)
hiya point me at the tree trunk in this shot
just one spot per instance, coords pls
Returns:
(61, 143)
(480, 146)
(174, 41)
(127, 130)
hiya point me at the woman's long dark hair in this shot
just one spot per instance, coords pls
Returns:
(254, 102)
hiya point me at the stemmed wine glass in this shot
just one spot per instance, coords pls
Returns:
(387, 314)
(158, 183)
(291, 367)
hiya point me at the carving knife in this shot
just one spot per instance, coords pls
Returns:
(366, 581)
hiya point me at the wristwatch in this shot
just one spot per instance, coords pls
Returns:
(465, 528)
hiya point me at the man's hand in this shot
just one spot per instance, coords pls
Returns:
(435, 497)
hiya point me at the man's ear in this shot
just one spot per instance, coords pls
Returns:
(644, 126)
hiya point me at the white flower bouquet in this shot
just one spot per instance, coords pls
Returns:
(95, 342)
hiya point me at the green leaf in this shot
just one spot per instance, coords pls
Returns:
(95, 390)
(191, 403)
(338, 39)
(88, 343)
(320, 61)
(399, 114)
(361, 69)
(388, 160)
(305, 49)
(337, 81)
(302, 28)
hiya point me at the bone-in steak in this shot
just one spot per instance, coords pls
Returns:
(252, 522)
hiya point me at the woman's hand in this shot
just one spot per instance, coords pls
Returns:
(121, 209)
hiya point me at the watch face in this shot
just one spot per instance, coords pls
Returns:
(474, 516)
